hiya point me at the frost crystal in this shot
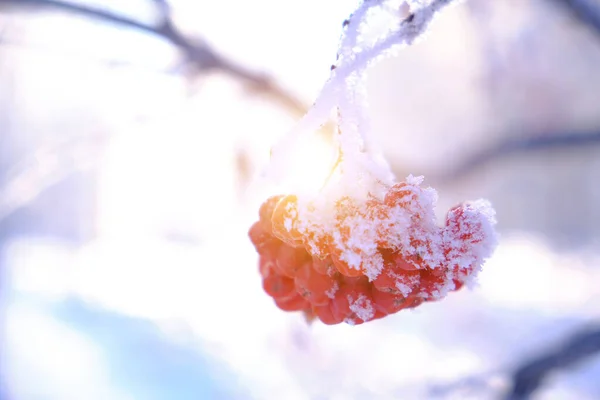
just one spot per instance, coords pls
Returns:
(362, 307)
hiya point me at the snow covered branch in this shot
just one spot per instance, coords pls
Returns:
(357, 53)
(362, 44)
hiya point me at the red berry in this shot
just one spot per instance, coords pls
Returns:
(388, 303)
(294, 303)
(326, 315)
(279, 287)
(394, 259)
(379, 215)
(458, 284)
(433, 285)
(465, 223)
(413, 301)
(401, 194)
(266, 266)
(395, 277)
(353, 302)
(316, 288)
(289, 259)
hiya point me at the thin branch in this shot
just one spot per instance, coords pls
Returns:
(531, 374)
(518, 146)
(585, 11)
(203, 57)
(29, 182)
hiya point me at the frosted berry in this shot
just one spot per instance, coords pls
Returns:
(285, 221)
(365, 260)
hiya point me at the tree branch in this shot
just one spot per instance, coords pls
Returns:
(531, 374)
(201, 55)
(517, 146)
(584, 11)
(30, 181)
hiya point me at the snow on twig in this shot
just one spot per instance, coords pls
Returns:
(344, 90)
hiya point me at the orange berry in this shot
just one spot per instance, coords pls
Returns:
(317, 244)
(345, 207)
(341, 265)
(265, 212)
(285, 220)
(324, 267)
(264, 243)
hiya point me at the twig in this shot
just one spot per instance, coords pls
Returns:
(531, 374)
(203, 57)
(584, 11)
(517, 146)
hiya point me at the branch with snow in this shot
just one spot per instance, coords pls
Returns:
(360, 47)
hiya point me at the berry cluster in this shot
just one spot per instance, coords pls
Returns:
(356, 261)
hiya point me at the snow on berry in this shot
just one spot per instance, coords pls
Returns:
(368, 272)
(359, 245)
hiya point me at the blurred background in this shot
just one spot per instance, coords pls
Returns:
(132, 133)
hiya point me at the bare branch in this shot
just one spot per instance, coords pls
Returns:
(30, 181)
(517, 146)
(532, 373)
(585, 11)
(203, 57)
